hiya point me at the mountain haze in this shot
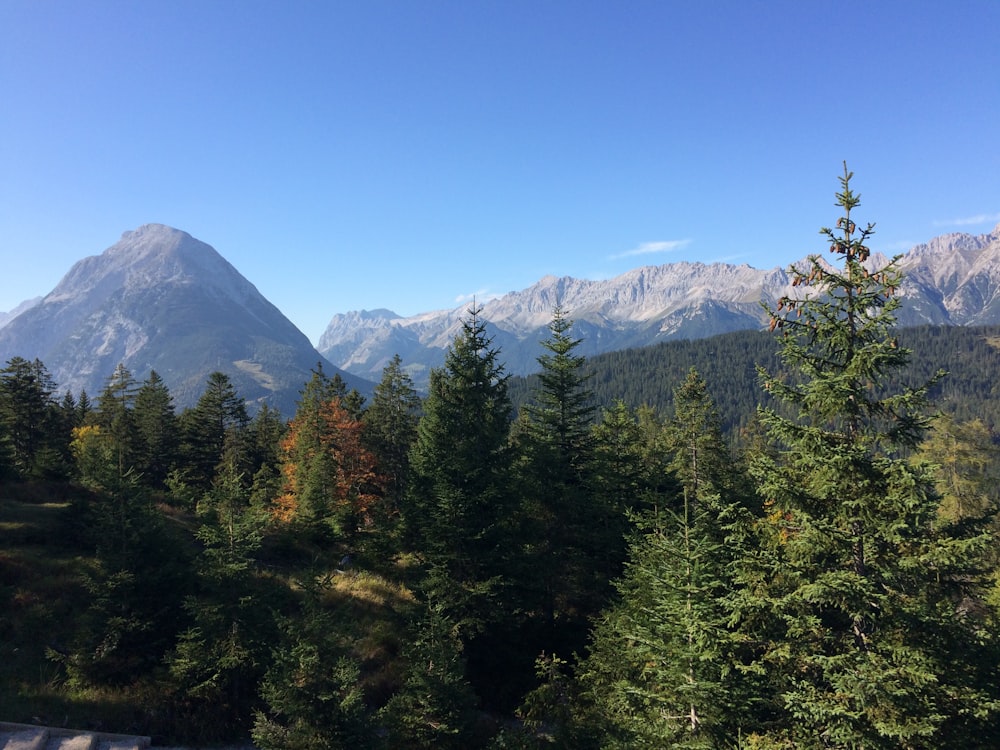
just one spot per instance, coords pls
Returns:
(951, 280)
(161, 300)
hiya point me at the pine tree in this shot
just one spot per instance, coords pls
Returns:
(391, 428)
(29, 417)
(220, 659)
(140, 574)
(434, 706)
(312, 691)
(215, 426)
(858, 601)
(569, 536)
(157, 431)
(459, 506)
(115, 418)
(658, 671)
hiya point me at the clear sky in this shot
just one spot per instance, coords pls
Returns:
(409, 153)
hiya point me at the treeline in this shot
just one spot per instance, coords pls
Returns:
(433, 573)
(729, 364)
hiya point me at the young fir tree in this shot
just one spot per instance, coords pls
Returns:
(137, 583)
(156, 427)
(219, 660)
(435, 705)
(213, 428)
(391, 428)
(312, 690)
(29, 416)
(658, 671)
(114, 415)
(857, 606)
(459, 505)
(571, 538)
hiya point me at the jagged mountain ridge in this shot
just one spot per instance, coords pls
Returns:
(161, 300)
(951, 280)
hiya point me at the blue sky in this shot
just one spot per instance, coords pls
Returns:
(409, 153)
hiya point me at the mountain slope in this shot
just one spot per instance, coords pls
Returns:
(952, 280)
(160, 299)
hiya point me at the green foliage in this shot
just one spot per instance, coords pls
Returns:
(220, 659)
(862, 585)
(311, 691)
(573, 534)
(434, 706)
(968, 462)
(459, 505)
(660, 668)
(32, 443)
(391, 428)
(157, 431)
(841, 594)
(213, 429)
(134, 586)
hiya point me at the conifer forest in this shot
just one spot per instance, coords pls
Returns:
(776, 540)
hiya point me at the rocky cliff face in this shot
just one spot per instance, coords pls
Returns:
(160, 299)
(952, 280)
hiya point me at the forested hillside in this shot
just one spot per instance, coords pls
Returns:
(728, 363)
(598, 568)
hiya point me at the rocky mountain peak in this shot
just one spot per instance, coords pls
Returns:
(161, 299)
(953, 279)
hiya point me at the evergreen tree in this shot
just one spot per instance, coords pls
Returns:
(213, 428)
(434, 706)
(115, 418)
(569, 535)
(459, 505)
(858, 601)
(220, 660)
(658, 673)
(312, 693)
(391, 428)
(30, 420)
(140, 573)
(157, 430)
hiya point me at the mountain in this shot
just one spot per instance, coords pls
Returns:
(951, 280)
(6, 317)
(161, 300)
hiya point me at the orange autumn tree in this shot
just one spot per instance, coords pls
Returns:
(330, 479)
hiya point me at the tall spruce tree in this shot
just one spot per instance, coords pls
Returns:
(658, 673)
(156, 426)
(29, 416)
(213, 428)
(459, 505)
(859, 604)
(391, 428)
(570, 538)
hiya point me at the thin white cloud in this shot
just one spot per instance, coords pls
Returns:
(649, 248)
(966, 221)
(900, 246)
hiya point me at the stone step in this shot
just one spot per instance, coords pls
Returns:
(27, 738)
(30, 737)
(83, 741)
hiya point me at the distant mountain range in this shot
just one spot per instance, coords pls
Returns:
(952, 280)
(161, 300)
